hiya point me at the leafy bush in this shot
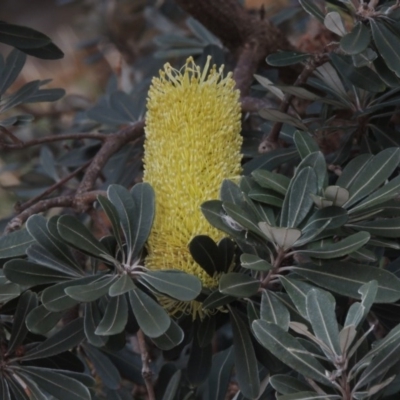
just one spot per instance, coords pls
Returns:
(293, 290)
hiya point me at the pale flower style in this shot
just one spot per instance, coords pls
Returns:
(192, 143)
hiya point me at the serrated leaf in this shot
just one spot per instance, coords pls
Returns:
(346, 278)
(176, 284)
(151, 317)
(238, 285)
(244, 356)
(289, 350)
(357, 40)
(273, 310)
(75, 233)
(339, 249)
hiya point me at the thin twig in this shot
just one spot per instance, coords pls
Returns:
(52, 138)
(21, 207)
(146, 370)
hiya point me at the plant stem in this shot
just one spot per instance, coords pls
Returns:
(146, 371)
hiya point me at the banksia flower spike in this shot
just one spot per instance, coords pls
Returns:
(192, 143)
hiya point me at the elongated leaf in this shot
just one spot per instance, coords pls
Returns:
(112, 215)
(179, 285)
(305, 144)
(22, 36)
(105, 369)
(385, 41)
(244, 356)
(386, 227)
(4, 389)
(40, 320)
(68, 337)
(171, 338)
(279, 116)
(31, 274)
(298, 200)
(271, 160)
(374, 174)
(271, 180)
(55, 299)
(250, 261)
(269, 85)
(199, 363)
(143, 198)
(312, 8)
(308, 396)
(15, 244)
(58, 385)
(216, 299)
(285, 347)
(221, 368)
(13, 66)
(151, 317)
(353, 169)
(321, 313)
(91, 320)
(288, 384)
(9, 291)
(339, 249)
(173, 386)
(26, 303)
(115, 317)
(266, 196)
(346, 278)
(285, 58)
(357, 40)
(333, 21)
(91, 291)
(243, 218)
(273, 310)
(123, 285)
(230, 192)
(238, 285)
(75, 233)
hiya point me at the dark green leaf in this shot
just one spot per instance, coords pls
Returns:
(9, 291)
(206, 253)
(339, 249)
(245, 358)
(69, 336)
(271, 180)
(286, 384)
(13, 66)
(289, 350)
(91, 291)
(357, 40)
(40, 320)
(45, 95)
(279, 116)
(321, 313)
(22, 36)
(48, 52)
(243, 218)
(105, 369)
(173, 386)
(385, 41)
(20, 95)
(384, 227)
(199, 363)
(58, 385)
(305, 144)
(179, 285)
(222, 364)
(151, 317)
(115, 317)
(285, 58)
(250, 261)
(230, 192)
(298, 200)
(205, 330)
(308, 396)
(216, 299)
(273, 310)
(171, 338)
(15, 244)
(124, 105)
(26, 303)
(31, 274)
(266, 196)
(312, 8)
(75, 233)
(238, 285)
(346, 278)
(4, 390)
(122, 285)
(91, 320)
(112, 215)
(353, 170)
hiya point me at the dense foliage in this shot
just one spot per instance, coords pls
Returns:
(305, 283)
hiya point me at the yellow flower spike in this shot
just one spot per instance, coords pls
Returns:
(192, 143)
